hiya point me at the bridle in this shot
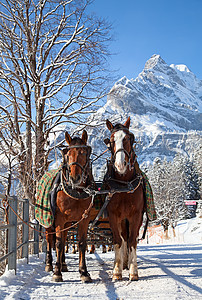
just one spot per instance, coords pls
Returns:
(84, 168)
(130, 155)
(128, 164)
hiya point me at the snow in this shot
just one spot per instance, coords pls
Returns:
(181, 68)
(168, 269)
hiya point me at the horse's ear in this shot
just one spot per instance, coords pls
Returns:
(68, 138)
(127, 123)
(84, 137)
(109, 125)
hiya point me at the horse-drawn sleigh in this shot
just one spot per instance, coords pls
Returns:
(76, 198)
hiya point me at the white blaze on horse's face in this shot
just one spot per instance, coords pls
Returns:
(120, 162)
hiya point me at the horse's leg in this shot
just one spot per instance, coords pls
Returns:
(104, 250)
(67, 246)
(57, 275)
(92, 249)
(109, 248)
(49, 258)
(132, 245)
(82, 235)
(64, 265)
(118, 248)
(133, 271)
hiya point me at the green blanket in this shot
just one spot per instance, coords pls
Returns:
(43, 212)
(151, 212)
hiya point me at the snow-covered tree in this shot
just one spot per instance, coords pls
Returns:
(197, 165)
(191, 181)
(167, 183)
(53, 69)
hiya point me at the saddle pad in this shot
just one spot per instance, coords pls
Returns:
(43, 212)
(151, 212)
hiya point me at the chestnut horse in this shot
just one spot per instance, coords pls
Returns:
(73, 203)
(125, 209)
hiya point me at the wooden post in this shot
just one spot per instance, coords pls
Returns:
(36, 239)
(12, 234)
(25, 230)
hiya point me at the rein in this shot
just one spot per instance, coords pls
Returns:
(98, 156)
(84, 216)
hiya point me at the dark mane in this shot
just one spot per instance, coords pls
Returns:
(76, 140)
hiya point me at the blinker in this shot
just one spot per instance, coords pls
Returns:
(107, 142)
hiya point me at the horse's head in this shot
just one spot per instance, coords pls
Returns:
(121, 145)
(77, 157)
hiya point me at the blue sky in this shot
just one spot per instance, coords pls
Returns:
(171, 28)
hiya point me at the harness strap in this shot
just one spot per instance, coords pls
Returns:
(107, 199)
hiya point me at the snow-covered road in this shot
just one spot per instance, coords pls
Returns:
(165, 271)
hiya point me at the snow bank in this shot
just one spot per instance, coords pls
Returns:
(186, 231)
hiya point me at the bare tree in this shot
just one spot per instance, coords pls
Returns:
(53, 69)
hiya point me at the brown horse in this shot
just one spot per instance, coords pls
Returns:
(73, 203)
(125, 209)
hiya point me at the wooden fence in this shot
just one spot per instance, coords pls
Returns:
(12, 237)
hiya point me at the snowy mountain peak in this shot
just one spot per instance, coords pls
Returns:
(122, 81)
(155, 62)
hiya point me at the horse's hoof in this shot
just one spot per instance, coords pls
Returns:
(64, 268)
(116, 277)
(133, 277)
(86, 279)
(57, 278)
(48, 268)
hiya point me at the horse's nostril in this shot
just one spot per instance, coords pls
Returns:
(125, 163)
